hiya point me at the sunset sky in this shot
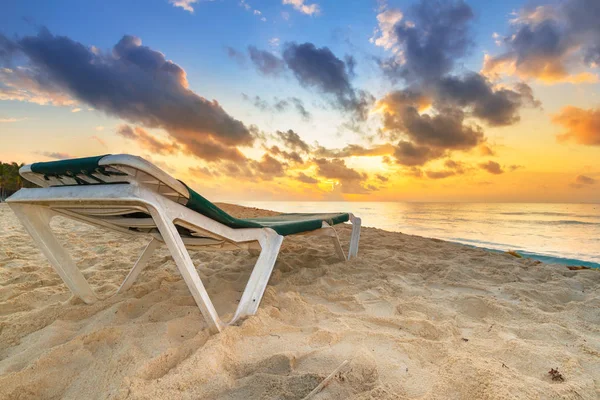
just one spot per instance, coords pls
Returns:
(314, 99)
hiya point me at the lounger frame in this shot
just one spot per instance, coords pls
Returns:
(36, 207)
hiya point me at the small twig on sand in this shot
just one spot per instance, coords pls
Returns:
(325, 381)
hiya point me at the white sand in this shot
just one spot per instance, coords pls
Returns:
(416, 318)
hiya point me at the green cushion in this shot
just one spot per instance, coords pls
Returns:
(289, 224)
(70, 167)
(284, 224)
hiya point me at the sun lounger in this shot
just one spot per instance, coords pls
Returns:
(130, 195)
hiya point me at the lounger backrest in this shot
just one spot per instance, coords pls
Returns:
(125, 168)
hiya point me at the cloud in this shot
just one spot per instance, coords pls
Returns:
(586, 180)
(187, 5)
(350, 179)
(147, 141)
(486, 150)
(302, 177)
(581, 126)
(438, 111)
(274, 42)
(55, 155)
(551, 43)
(354, 150)
(582, 181)
(440, 174)
(269, 167)
(496, 107)
(9, 120)
(319, 68)
(266, 62)
(452, 168)
(382, 178)
(492, 167)
(135, 83)
(444, 130)
(303, 6)
(292, 156)
(238, 56)
(280, 105)
(298, 104)
(385, 35)
(427, 45)
(292, 140)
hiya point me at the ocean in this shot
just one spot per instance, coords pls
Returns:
(554, 233)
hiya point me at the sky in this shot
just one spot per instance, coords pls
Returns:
(427, 100)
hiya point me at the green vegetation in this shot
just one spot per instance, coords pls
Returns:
(10, 180)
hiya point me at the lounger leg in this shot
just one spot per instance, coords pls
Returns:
(36, 220)
(259, 278)
(139, 266)
(186, 268)
(337, 245)
(354, 239)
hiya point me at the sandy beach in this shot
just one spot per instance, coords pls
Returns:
(416, 318)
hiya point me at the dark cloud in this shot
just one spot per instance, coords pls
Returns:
(435, 34)
(8, 49)
(299, 106)
(137, 84)
(290, 156)
(266, 62)
(316, 68)
(496, 107)
(269, 167)
(581, 126)
(445, 130)
(552, 43)
(280, 105)
(238, 56)
(354, 150)
(409, 154)
(583, 181)
(257, 102)
(146, 141)
(452, 168)
(302, 177)
(492, 167)
(321, 69)
(382, 178)
(292, 141)
(440, 174)
(351, 180)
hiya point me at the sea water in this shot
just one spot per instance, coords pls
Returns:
(554, 233)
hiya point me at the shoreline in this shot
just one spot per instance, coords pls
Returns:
(547, 259)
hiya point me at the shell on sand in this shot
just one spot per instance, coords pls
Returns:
(399, 313)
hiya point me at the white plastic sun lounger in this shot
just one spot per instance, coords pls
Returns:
(130, 195)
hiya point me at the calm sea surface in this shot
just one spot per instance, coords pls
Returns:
(554, 233)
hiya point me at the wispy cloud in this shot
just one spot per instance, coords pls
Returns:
(55, 155)
(9, 120)
(304, 7)
(187, 5)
